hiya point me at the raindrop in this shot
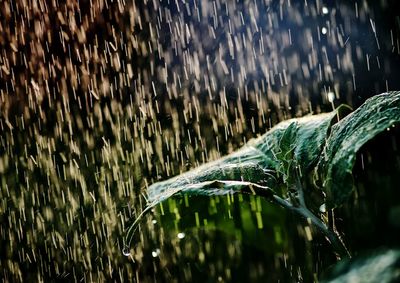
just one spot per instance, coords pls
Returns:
(181, 235)
(126, 251)
(155, 253)
(154, 221)
(325, 10)
(324, 30)
(331, 96)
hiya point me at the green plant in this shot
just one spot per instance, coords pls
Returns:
(304, 165)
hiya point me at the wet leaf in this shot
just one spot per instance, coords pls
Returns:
(269, 166)
(347, 137)
(270, 162)
(279, 164)
(382, 266)
(261, 166)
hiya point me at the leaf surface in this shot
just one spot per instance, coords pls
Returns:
(280, 163)
(347, 137)
(262, 163)
(382, 266)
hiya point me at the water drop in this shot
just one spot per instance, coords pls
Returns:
(324, 30)
(181, 235)
(126, 251)
(331, 96)
(155, 253)
(325, 10)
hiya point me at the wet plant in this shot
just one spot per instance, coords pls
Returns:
(287, 164)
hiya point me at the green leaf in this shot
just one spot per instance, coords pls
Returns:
(347, 137)
(258, 163)
(264, 167)
(382, 266)
(278, 164)
(285, 155)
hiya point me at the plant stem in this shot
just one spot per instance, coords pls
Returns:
(299, 207)
(332, 237)
(132, 229)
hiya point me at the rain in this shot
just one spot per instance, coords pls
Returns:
(100, 99)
